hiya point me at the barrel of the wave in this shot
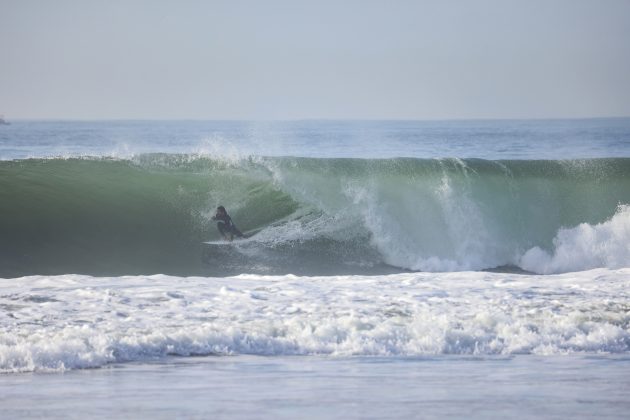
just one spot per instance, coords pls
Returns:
(103, 216)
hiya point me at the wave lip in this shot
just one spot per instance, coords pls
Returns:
(73, 322)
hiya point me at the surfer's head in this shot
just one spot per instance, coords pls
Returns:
(221, 210)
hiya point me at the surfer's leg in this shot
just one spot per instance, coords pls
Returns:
(237, 232)
(223, 230)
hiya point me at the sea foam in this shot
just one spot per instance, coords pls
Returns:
(584, 247)
(69, 322)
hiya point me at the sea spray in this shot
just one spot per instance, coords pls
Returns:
(584, 247)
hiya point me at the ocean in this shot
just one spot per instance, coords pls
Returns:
(397, 269)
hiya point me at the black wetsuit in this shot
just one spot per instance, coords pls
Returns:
(226, 226)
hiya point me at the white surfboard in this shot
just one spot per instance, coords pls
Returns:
(236, 241)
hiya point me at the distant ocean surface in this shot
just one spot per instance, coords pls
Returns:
(393, 240)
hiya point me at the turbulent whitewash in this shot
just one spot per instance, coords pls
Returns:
(65, 322)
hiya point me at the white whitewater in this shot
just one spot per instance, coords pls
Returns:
(70, 321)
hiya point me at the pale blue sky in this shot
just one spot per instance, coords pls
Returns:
(445, 59)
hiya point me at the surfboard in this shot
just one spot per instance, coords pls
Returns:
(248, 238)
(236, 241)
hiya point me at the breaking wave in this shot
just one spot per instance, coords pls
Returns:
(151, 214)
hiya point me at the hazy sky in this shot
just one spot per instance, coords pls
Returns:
(152, 59)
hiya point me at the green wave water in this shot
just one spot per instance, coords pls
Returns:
(151, 214)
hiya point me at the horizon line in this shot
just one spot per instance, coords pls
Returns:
(313, 119)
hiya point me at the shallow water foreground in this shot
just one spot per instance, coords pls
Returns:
(306, 387)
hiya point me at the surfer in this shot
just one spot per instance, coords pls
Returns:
(226, 227)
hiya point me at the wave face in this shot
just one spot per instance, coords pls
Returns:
(151, 213)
